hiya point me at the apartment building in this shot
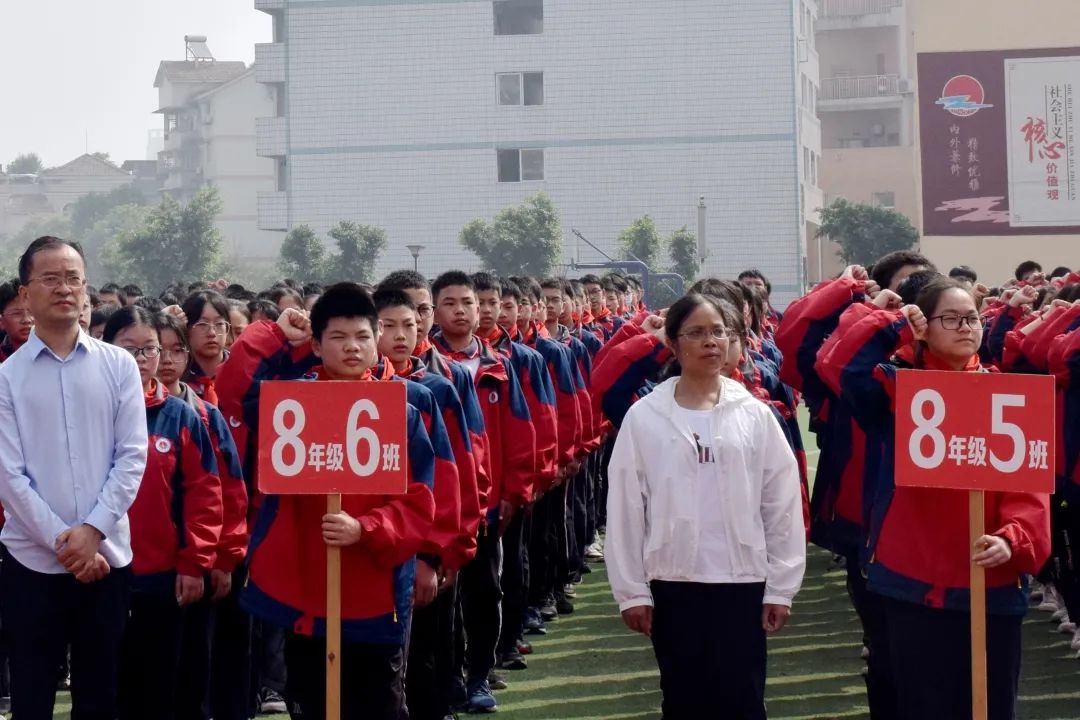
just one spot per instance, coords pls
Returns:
(420, 116)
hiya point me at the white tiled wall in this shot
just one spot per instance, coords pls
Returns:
(649, 104)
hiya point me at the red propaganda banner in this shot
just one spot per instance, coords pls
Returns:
(975, 431)
(325, 438)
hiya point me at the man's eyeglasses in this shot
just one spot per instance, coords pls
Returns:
(220, 327)
(424, 311)
(954, 322)
(701, 334)
(149, 352)
(54, 281)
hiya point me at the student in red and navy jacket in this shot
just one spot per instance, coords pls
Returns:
(176, 524)
(475, 484)
(431, 639)
(1064, 365)
(207, 315)
(509, 463)
(379, 535)
(216, 657)
(917, 537)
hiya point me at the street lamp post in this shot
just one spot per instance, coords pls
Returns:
(415, 250)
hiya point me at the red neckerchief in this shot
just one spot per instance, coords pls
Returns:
(499, 340)
(156, 395)
(470, 352)
(587, 317)
(923, 359)
(423, 346)
(320, 374)
(603, 315)
(415, 370)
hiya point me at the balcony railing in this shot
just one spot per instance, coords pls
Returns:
(863, 86)
(855, 8)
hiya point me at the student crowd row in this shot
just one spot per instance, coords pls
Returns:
(539, 412)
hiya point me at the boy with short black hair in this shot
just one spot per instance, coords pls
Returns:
(379, 535)
(509, 463)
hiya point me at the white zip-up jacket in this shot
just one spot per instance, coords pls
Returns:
(653, 520)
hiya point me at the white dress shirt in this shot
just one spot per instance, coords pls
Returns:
(73, 443)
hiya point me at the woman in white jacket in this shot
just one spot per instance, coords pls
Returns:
(705, 541)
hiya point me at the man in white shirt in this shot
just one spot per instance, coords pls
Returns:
(73, 440)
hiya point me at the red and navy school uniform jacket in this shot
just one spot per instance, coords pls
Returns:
(626, 370)
(1064, 363)
(836, 504)
(1029, 352)
(203, 385)
(589, 339)
(461, 548)
(437, 364)
(7, 349)
(917, 538)
(510, 434)
(559, 368)
(287, 558)
(235, 532)
(177, 514)
(608, 323)
(446, 486)
(581, 363)
(544, 408)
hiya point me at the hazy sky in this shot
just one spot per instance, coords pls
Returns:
(72, 68)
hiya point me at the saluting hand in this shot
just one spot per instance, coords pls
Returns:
(654, 325)
(918, 322)
(888, 300)
(177, 312)
(1026, 295)
(295, 325)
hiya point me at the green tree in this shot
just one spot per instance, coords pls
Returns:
(359, 248)
(27, 163)
(175, 242)
(91, 208)
(866, 232)
(521, 240)
(102, 241)
(683, 250)
(641, 241)
(302, 256)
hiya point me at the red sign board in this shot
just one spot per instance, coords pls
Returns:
(975, 431)
(325, 438)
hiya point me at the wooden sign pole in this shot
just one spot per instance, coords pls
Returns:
(977, 528)
(333, 621)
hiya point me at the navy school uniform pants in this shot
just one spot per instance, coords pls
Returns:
(931, 661)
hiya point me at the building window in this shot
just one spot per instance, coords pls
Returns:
(520, 165)
(813, 168)
(885, 200)
(519, 17)
(520, 88)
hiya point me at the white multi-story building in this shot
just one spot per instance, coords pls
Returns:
(420, 116)
(208, 109)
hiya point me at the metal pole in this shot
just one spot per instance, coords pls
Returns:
(703, 247)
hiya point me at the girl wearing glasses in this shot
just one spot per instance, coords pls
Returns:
(705, 548)
(176, 522)
(208, 326)
(227, 638)
(916, 562)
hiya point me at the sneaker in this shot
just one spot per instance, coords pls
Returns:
(569, 591)
(1060, 615)
(564, 606)
(1037, 592)
(1075, 645)
(549, 612)
(481, 699)
(585, 570)
(865, 654)
(524, 647)
(513, 660)
(497, 681)
(594, 552)
(1067, 627)
(1049, 602)
(272, 703)
(532, 619)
